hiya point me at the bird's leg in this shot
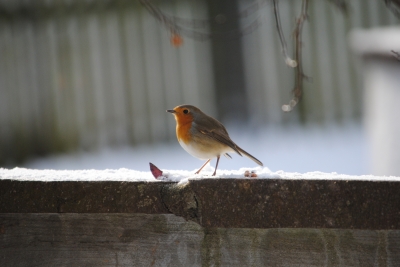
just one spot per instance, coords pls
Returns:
(202, 166)
(216, 166)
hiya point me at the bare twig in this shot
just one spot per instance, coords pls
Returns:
(299, 74)
(342, 5)
(173, 23)
(289, 61)
(396, 55)
(394, 6)
(198, 28)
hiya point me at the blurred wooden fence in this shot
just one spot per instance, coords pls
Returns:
(89, 74)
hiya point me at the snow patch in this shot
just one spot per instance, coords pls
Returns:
(182, 176)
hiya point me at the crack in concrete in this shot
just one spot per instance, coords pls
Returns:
(162, 194)
(181, 201)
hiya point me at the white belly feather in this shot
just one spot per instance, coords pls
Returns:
(205, 154)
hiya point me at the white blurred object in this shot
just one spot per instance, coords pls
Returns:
(382, 95)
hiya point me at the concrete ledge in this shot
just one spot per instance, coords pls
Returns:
(81, 197)
(226, 203)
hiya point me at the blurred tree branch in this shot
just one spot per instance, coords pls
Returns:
(289, 61)
(299, 74)
(341, 5)
(396, 55)
(197, 29)
(394, 6)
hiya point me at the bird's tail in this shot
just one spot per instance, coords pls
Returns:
(249, 156)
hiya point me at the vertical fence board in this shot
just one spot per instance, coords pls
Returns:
(170, 57)
(347, 98)
(117, 86)
(191, 92)
(204, 78)
(96, 67)
(154, 78)
(140, 125)
(77, 80)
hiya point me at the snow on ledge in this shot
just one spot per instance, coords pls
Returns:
(22, 174)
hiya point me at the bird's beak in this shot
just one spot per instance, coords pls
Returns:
(171, 111)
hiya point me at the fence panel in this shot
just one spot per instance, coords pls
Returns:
(89, 74)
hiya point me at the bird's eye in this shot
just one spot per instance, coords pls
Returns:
(186, 111)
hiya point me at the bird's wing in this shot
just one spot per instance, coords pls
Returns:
(214, 129)
(221, 137)
(217, 131)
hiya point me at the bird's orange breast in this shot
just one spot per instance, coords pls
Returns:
(183, 126)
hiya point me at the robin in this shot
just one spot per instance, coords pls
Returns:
(203, 136)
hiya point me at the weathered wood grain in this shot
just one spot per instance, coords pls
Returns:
(168, 240)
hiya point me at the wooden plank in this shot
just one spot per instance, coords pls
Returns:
(167, 240)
